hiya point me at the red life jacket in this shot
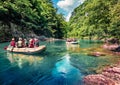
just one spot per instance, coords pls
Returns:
(12, 43)
(32, 43)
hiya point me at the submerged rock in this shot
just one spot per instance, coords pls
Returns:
(98, 79)
(114, 48)
(110, 47)
(109, 76)
(97, 54)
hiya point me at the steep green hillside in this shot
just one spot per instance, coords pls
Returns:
(96, 19)
(38, 16)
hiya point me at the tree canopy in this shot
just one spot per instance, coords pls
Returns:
(92, 19)
(37, 15)
(96, 19)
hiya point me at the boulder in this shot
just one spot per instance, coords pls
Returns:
(114, 76)
(117, 49)
(113, 70)
(110, 47)
(109, 76)
(98, 79)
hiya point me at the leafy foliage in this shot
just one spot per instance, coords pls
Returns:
(36, 15)
(96, 19)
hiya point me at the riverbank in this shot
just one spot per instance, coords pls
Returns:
(109, 76)
(10, 30)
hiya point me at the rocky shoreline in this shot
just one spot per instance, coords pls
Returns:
(109, 76)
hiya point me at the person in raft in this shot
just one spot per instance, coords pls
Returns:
(20, 43)
(36, 44)
(12, 43)
(31, 43)
(25, 43)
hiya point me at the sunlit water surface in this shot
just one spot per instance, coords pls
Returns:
(60, 64)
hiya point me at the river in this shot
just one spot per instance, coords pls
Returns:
(60, 64)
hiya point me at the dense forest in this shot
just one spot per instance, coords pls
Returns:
(37, 16)
(96, 19)
(93, 19)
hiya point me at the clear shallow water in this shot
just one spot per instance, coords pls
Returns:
(60, 64)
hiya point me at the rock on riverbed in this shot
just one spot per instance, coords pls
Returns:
(109, 76)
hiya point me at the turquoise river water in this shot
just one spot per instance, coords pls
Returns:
(60, 64)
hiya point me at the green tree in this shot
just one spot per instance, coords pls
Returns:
(95, 19)
(38, 16)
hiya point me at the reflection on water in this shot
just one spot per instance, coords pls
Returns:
(21, 58)
(65, 72)
(73, 47)
(54, 67)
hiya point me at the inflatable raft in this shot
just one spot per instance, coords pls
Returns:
(26, 50)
